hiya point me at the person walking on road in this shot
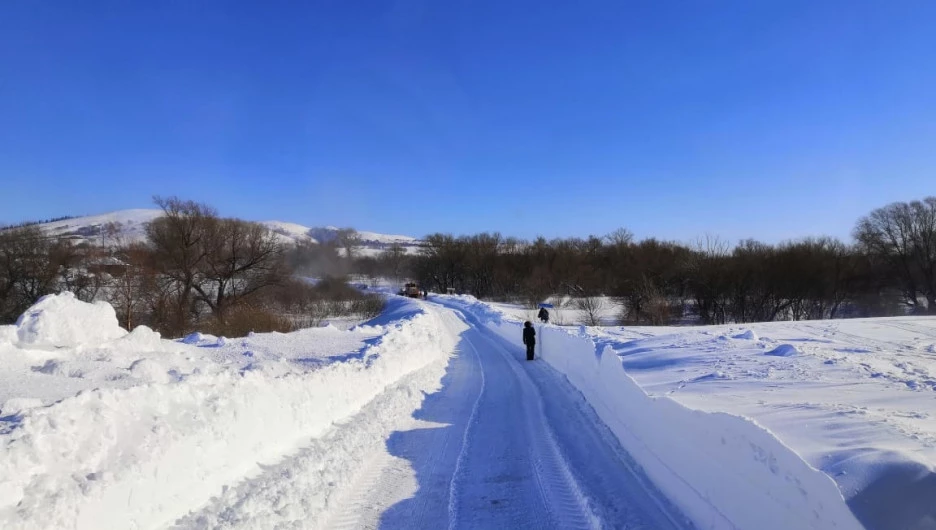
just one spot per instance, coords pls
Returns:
(529, 338)
(543, 315)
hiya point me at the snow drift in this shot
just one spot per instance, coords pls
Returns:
(722, 470)
(175, 429)
(62, 321)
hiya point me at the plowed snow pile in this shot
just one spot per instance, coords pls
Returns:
(777, 425)
(101, 428)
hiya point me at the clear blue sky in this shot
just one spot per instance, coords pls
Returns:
(765, 119)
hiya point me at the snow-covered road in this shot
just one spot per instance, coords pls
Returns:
(505, 443)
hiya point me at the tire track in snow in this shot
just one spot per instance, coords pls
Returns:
(502, 456)
(466, 442)
(925, 332)
(380, 474)
(561, 493)
(611, 485)
(402, 490)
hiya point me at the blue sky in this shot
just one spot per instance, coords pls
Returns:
(772, 120)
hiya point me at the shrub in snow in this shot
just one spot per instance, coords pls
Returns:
(63, 321)
(746, 335)
(784, 350)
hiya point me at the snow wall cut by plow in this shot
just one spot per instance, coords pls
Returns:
(722, 470)
(143, 456)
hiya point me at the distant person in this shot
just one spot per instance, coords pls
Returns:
(543, 315)
(529, 338)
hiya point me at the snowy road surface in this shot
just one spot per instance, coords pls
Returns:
(505, 443)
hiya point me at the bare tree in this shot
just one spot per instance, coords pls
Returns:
(904, 235)
(80, 268)
(591, 308)
(443, 262)
(27, 271)
(180, 240)
(133, 288)
(350, 240)
(112, 236)
(709, 274)
(242, 258)
(620, 237)
(393, 260)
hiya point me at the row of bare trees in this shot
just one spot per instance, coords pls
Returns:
(192, 264)
(33, 265)
(889, 269)
(195, 270)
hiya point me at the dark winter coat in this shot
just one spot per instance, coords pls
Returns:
(543, 315)
(529, 335)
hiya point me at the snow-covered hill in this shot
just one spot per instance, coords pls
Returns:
(131, 225)
(329, 233)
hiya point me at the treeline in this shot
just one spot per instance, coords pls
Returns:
(194, 271)
(40, 222)
(889, 269)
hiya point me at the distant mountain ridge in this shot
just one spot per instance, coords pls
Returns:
(131, 225)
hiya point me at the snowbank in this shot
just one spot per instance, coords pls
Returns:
(8, 335)
(63, 321)
(182, 423)
(722, 470)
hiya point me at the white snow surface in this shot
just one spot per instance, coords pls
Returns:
(132, 228)
(328, 232)
(118, 430)
(824, 424)
(289, 232)
(62, 321)
(132, 224)
(429, 417)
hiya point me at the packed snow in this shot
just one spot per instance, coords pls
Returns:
(428, 416)
(101, 428)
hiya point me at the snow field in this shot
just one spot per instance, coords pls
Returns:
(854, 398)
(164, 431)
(722, 470)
